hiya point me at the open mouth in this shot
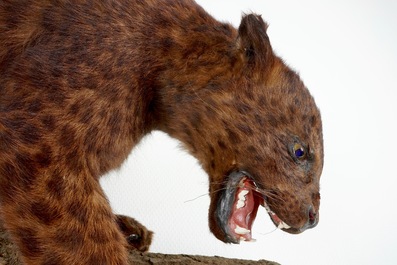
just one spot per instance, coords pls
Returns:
(238, 206)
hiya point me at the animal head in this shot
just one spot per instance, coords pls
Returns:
(257, 132)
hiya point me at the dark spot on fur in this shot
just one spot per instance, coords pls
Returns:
(282, 119)
(262, 101)
(30, 245)
(35, 106)
(222, 145)
(272, 120)
(48, 122)
(72, 239)
(251, 149)
(212, 164)
(212, 150)
(249, 94)
(78, 211)
(167, 43)
(213, 86)
(243, 108)
(44, 212)
(57, 98)
(115, 120)
(26, 171)
(233, 136)
(87, 116)
(260, 120)
(195, 120)
(44, 157)
(17, 104)
(74, 161)
(259, 158)
(30, 134)
(244, 128)
(8, 189)
(75, 108)
(56, 186)
(67, 137)
(313, 121)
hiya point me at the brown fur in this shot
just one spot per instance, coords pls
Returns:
(81, 82)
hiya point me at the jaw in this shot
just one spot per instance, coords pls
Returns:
(236, 208)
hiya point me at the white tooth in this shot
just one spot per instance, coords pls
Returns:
(240, 204)
(283, 225)
(253, 240)
(241, 195)
(241, 230)
(242, 239)
(241, 199)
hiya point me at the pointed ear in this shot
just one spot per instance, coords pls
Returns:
(254, 44)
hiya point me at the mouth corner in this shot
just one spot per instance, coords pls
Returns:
(237, 207)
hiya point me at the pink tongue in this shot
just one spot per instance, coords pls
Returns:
(244, 211)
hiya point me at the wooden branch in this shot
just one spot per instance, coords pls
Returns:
(9, 256)
(155, 258)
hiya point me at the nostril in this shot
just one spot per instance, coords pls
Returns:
(312, 216)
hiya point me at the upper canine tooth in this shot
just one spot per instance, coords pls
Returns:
(241, 199)
(241, 230)
(241, 195)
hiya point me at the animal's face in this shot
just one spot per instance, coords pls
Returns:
(270, 153)
(257, 132)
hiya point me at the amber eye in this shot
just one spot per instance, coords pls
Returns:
(299, 151)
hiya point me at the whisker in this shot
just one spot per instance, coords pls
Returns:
(198, 197)
(268, 233)
(202, 195)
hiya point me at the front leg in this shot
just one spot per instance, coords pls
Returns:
(59, 218)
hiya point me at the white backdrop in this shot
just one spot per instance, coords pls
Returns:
(346, 53)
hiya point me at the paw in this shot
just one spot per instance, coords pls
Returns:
(138, 236)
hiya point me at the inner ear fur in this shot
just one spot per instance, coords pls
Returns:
(254, 45)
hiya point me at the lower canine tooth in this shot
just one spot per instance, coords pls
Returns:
(283, 225)
(241, 230)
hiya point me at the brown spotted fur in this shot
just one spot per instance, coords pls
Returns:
(81, 82)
